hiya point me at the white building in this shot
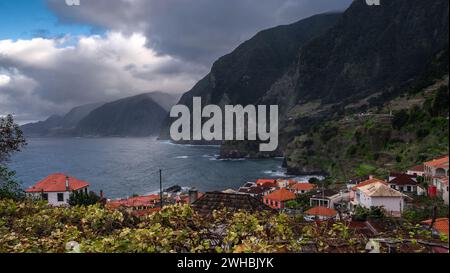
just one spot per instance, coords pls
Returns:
(380, 195)
(56, 189)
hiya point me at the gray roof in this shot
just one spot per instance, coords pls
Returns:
(234, 202)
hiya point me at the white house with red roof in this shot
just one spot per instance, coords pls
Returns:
(56, 189)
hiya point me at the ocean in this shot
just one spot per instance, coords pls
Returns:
(122, 167)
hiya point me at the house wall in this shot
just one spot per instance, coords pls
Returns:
(391, 204)
(404, 188)
(445, 194)
(274, 204)
(53, 197)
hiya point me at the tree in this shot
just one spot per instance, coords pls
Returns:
(83, 199)
(10, 188)
(11, 140)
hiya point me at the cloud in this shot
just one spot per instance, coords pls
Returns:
(4, 79)
(40, 77)
(195, 30)
(164, 45)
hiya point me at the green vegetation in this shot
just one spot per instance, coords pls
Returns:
(377, 143)
(83, 199)
(11, 141)
(363, 214)
(36, 227)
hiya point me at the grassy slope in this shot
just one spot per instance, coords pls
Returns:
(355, 145)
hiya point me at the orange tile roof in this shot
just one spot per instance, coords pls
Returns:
(57, 183)
(322, 211)
(303, 187)
(368, 182)
(139, 201)
(441, 225)
(271, 182)
(281, 195)
(442, 161)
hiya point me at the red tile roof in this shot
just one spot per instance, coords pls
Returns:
(368, 182)
(303, 187)
(439, 162)
(441, 225)
(139, 201)
(271, 182)
(57, 183)
(281, 195)
(322, 211)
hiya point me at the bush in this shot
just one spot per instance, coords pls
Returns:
(83, 199)
(10, 188)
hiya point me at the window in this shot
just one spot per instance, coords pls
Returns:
(60, 197)
(45, 196)
(408, 188)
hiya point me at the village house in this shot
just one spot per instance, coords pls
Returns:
(136, 203)
(329, 199)
(380, 195)
(267, 182)
(436, 168)
(418, 170)
(441, 187)
(57, 188)
(278, 198)
(405, 183)
(321, 213)
(302, 188)
(354, 189)
(211, 201)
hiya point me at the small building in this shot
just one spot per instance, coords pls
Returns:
(328, 198)
(436, 168)
(267, 182)
(418, 170)
(56, 189)
(212, 201)
(441, 185)
(405, 183)
(302, 188)
(136, 203)
(380, 195)
(321, 213)
(278, 198)
(256, 192)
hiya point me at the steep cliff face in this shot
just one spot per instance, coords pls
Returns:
(371, 49)
(246, 74)
(372, 55)
(350, 63)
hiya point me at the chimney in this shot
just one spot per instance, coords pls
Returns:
(193, 195)
(101, 194)
(371, 177)
(67, 184)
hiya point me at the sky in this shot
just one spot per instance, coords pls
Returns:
(54, 57)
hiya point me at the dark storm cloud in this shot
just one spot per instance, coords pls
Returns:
(195, 30)
(164, 45)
